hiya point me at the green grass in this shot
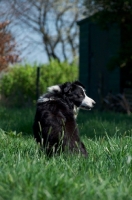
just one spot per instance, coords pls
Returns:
(19, 120)
(25, 172)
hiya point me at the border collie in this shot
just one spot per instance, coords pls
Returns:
(55, 126)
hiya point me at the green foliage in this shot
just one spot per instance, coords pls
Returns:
(18, 85)
(106, 174)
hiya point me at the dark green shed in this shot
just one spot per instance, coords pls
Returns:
(97, 47)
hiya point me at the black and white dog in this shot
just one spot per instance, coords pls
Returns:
(55, 125)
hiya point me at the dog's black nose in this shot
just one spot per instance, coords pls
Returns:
(93, 103)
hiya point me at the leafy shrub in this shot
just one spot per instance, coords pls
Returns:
(18, 85)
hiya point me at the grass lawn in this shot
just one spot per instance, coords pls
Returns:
(26, 174)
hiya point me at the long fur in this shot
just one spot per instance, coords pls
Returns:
(55, 126)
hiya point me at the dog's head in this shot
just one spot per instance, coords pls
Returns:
(75, 92)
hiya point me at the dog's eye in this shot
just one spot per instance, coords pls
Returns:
(80, 95)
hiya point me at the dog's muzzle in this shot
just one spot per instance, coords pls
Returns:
(87, 103)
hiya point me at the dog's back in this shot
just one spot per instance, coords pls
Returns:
(55, 126)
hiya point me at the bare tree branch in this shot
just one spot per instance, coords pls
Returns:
(54, 21)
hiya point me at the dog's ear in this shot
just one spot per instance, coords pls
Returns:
(78, 83)
(66, 87)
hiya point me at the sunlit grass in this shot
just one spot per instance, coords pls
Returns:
(26, 173)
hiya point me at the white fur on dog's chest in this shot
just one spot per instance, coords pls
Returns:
(75, 111)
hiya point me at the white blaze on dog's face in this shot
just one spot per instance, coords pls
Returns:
(87, 103)
(82, 100)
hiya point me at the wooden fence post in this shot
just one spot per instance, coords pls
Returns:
(37, 83)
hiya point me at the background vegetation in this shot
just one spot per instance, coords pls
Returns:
(8, 48)
(18, 84)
